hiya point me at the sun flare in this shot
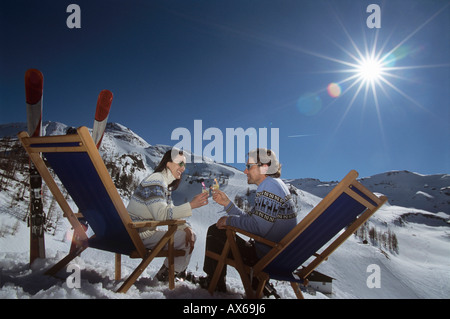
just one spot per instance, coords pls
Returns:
(370, 69)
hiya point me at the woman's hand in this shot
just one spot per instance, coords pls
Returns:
(199, 200)
(220, 197)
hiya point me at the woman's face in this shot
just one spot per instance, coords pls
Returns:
(178, 166)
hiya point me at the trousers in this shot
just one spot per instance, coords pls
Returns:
(179, 242)
(215, 241)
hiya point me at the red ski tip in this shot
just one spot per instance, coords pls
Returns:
(34, 83)
(103, 105)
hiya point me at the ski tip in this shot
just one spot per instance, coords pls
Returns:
(34, 83)
(103, 105)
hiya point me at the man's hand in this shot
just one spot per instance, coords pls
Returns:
(222, 222)
(220, 197)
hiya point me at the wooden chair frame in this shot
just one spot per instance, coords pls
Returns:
(350, 186)
(82, 143)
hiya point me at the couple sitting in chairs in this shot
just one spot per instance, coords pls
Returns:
(273, 217)
(280, 245)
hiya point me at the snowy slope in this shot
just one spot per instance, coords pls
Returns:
(403, 188)
(417, 212)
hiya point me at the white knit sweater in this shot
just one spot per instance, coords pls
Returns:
(152, 201)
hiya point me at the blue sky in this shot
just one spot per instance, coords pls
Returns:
(246, 64)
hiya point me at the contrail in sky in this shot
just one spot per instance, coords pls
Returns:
(301, 135)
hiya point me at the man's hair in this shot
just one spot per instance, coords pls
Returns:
(264, 156)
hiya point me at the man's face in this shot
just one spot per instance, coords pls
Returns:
(253, 173)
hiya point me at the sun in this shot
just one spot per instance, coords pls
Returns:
(372, 68)
(369, 69)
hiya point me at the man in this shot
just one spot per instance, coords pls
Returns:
(273, 216)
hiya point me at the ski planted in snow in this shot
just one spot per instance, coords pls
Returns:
(101, 116)
(104, 101)
(34, 84)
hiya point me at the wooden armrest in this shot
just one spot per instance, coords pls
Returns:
(155, 223)
(255, 237)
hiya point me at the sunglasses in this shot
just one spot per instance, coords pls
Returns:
(250, 165)
(181, 164)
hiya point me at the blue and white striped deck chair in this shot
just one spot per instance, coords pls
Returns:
(339, 214)
(78, 165)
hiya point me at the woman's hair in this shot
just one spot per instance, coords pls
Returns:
(264, 156)
(163, 165)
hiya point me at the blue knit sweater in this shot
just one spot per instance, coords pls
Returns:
(273, 216)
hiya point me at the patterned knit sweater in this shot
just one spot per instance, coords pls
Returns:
(273, 216)
(152, 201)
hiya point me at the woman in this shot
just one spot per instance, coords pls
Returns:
(152, 201)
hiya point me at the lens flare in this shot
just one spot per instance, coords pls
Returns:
(309, 104)
(334, 90)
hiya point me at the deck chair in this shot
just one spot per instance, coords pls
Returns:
(78, 165)
(298, 254)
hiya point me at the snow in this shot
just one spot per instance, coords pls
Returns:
(417, 212)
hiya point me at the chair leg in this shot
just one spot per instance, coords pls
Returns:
(171, 264)
(135, 274)
(260, 288)
(147, 260)
(239, 265)
(219, 267)
(297, 290)
(118, 267)
(63, 262)
(262, 278)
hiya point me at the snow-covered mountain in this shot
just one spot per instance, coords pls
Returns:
(417, 214)
(403, 188)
